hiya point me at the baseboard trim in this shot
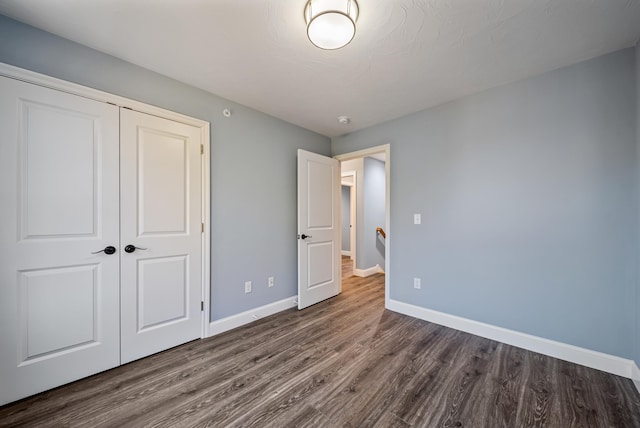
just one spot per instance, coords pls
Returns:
(368, 272)
(574, 354)
(635, 376)
(237, 320)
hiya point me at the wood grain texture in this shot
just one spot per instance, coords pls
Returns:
(345, 362)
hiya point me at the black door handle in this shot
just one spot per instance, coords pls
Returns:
(107, 250)
(303, 236)
(131, 248)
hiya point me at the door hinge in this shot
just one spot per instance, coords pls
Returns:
(202, 306)
(201, 149)
(201, 227)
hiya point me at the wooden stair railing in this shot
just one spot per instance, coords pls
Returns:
(381, 232)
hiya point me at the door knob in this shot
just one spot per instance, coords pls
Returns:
(303, 236)
(131, 248)
(106, 250)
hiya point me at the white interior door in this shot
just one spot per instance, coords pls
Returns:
(161, 215)
(318, 228)
(59, 299)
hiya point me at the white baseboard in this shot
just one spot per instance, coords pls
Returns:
(229, 323)
(368, 272)
(346, 253)
(574, 354)
(635, 376)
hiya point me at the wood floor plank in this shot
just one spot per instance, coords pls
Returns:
(580, 407)
(306, 417)
(540, 398)
(505, 388)
(345, 362)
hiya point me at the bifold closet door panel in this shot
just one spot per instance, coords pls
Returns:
(59, 211)
(161, 215)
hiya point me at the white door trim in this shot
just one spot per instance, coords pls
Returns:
(352, 213)
(94, 94)
(97, 95)
(386, 148)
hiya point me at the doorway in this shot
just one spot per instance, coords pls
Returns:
(376, 231)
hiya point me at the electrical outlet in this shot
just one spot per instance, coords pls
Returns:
(247, 287)
(417, 219)
(416, 283)
(271, 281)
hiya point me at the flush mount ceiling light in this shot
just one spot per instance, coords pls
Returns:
(331, 24)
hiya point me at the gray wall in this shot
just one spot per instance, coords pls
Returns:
(346, 218)
(528, 198)
(374, 187)
(253, 163)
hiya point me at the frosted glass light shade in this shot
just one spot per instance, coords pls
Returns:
(331, 24)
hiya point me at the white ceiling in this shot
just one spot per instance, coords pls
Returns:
(407, 55)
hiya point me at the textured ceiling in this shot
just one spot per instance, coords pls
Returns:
(407, 55)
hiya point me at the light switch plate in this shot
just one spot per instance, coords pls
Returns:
(417, 219)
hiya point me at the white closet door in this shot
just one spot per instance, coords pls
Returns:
(59, 318)
(161, 215)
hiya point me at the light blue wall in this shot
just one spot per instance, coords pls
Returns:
(346, 218)
(253, 163)
(528, 201)
(374, 187)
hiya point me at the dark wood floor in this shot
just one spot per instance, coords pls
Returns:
(346, 362)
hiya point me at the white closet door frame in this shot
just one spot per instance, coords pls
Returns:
(94, 94)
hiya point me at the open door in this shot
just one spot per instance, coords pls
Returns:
(318, 228)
